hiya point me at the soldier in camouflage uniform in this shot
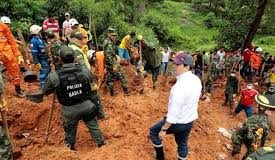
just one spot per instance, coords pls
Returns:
(257, 127)
(54, 45)
(113, 68)
(212, 72)
(231, 88)
(5, 145)
(229, 62)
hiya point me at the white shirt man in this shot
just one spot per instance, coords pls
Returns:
(66, 27)
(182, 108)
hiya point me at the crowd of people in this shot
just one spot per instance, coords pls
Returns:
(73, 71)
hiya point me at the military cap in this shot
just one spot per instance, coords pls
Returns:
(77, 34)
(65, 51)
(112, 30)
(266, 100)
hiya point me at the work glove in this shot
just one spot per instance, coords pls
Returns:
(36, 67)
(94, 87)
(20, 59)
(115, 67)
(3, 105)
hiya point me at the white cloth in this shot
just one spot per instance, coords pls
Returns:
(165, 56)
(67, 26)
(221, 54)
(184, 98)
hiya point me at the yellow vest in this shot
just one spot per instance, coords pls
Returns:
(84, 56)
(123, 42)
(272, 78)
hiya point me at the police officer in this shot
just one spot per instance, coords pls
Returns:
(72, 85)
(5, 145)
(112, 66)
(255, 130)
(39, 53)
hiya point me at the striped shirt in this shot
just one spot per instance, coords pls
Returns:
(54, 26)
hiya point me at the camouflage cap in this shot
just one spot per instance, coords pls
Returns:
(112, 30)
(77, 34)
(266, 100)
(65, 51)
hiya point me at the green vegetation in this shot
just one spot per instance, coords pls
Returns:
(189, 25)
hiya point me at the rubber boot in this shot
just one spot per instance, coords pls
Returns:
(19, 92)
(154, 85)
(100, 144)
(159, 153)
(70, 146)
(112, 93)
(126, 93)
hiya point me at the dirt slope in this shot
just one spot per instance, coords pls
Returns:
(126, 130)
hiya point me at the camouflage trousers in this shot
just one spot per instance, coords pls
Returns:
(229, 99)
(238, 138)
(5, 146)
(111, 76)
(86, 112)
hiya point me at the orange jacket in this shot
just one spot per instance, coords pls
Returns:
(255, 61)
(8, 45)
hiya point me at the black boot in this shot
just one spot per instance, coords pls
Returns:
(159, 153)
(112, 93)
(19, 92)
(70, 146)
(126, 93)
(100, 144)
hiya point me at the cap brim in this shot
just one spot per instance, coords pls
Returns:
(261, 100)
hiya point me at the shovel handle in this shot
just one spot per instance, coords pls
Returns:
(5, 124)
(50, 119)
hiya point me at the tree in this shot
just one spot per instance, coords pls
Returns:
(255, 24)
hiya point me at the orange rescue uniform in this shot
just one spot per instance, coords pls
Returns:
(9, 53)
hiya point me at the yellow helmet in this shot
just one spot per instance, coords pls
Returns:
(139, 37)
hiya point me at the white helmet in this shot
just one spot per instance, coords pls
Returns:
(35, 29)
(259, 50)
(5, 20)
(74, 22)
(139, 37)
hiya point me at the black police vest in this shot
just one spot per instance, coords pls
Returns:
(74, 87)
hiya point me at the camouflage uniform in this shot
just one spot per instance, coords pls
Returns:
(263, 153)
(110, 63)
(5, 145)
(212, 72)
(231, 88)
(229, 62)
(55, 52)
(253, 131)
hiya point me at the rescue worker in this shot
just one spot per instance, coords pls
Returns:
(125, 46)
(229, 63)
(256, 129)
(152, 59)
(231, 89)
(5, 144)
(255, 62)
(11, 57)
(39, 53)
(54, 44)
(66, 27)
(71, 82)
(76, 44)
(113, 68)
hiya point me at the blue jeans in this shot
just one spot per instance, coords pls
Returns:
(248, 109)
(45, 69)
(164, 67)
(180, 131)
(123, 53)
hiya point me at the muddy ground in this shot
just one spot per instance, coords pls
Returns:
(126, 129)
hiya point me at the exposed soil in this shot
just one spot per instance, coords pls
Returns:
(126, 129)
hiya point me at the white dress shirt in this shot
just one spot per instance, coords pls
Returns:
(184, 98)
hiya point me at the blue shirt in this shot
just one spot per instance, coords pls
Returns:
(38, 49)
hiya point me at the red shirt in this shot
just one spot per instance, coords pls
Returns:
(248, 96)
(51, 25)
(246, 55)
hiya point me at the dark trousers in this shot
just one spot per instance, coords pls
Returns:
(155, 73)
(181, 133)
